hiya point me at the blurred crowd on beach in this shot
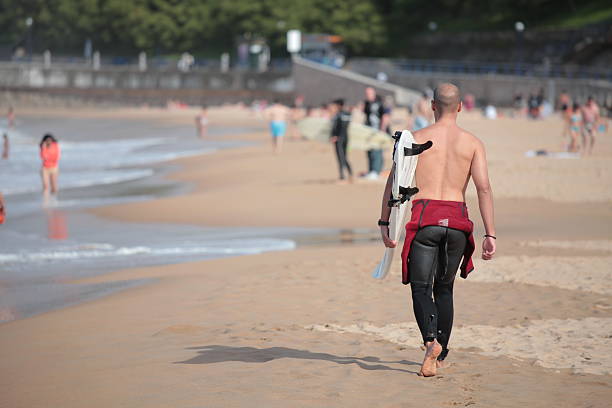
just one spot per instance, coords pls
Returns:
(584, 120)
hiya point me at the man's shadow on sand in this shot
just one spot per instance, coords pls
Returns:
(219, 354)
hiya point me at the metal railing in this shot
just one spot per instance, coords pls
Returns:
(372, 66)
(153, 63)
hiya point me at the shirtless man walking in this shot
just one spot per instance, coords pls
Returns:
(439, 234)
(278, 115)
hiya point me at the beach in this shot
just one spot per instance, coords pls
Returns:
(307, 326)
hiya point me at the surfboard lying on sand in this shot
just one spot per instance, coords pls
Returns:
(361, 137)
(405, 157)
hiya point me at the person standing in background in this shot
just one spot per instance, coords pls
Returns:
(50, 155)
(423, 117)
(590, 117)
(564, 101)
(376, 116)
(10, 118)
(602, 126)
(574, 123)
(469, 102)
(339, 137)
(298, 113)
(2, 210)
(202, 122)
(5, 146)
(278, 115)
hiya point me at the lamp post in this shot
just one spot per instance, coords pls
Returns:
(519, 27)
(29, 21)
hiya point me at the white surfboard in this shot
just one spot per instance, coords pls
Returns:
(405, 157)
(361, 137)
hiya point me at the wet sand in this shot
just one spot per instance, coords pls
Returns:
(310, 327)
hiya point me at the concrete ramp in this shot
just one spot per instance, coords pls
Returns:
(320, 83)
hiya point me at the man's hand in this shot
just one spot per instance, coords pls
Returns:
(333, 139)
(488, 248)
(384, 232)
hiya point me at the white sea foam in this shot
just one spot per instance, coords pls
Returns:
(104, 250)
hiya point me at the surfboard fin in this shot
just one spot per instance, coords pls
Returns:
(405, 194)
(417, 148)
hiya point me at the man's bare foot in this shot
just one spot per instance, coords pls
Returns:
(428, 369)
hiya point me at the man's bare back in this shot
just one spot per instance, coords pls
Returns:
(443, 171)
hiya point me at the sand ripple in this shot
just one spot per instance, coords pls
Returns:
(590, 274)
(583, 345)
(602, 245)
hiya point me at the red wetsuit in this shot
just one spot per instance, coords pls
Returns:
(451, 214)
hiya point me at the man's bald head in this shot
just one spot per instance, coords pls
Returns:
(447, 98)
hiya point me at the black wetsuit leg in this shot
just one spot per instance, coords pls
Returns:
(435, 256)
(341, 146)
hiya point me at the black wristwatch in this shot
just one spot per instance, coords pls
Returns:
(383, 223)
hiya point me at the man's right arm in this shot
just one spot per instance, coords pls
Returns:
(385, 211)
(480, 175)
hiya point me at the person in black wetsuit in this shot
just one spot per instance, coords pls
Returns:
(339, 136)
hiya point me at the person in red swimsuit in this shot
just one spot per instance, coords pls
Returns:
(50, 155)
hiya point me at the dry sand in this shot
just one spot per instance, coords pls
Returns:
(532, 327)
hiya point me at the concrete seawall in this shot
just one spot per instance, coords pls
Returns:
(128, 85)
(316, 82)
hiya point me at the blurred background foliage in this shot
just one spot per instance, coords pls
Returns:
(368, 27)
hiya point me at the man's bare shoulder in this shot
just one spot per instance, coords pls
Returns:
(423, 135)
(469, 137)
